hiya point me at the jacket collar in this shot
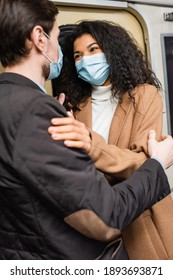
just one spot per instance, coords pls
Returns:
(14, 78)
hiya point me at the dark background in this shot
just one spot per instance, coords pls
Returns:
(168, 41)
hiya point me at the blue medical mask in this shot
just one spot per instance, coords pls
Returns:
(93, 69)
(55, 67)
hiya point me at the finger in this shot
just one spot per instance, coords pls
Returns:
(68, 128)
(74, 137)
(152, 135)
(74, 144)
(168, 137)
(67, 121)
(68, 136)
(62, 121)
(79, 145)
(61, 98)
(70, 114)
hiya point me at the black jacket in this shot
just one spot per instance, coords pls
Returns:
(53, 202)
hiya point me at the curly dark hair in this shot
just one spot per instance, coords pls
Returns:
(128, 65)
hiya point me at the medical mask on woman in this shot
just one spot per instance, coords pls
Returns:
(93, 69)
(55, 67)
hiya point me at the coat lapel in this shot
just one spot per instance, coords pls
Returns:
(85, 113)
(116, 124)
(119, 118)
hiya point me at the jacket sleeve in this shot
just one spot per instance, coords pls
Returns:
(66, 181)
(118, 160)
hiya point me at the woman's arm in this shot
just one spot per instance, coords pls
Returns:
(123, 156)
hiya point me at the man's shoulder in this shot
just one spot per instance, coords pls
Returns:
(17, 87)
(23, 96)
(32, 101)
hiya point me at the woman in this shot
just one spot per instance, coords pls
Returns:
(132, 103)
(112, 90)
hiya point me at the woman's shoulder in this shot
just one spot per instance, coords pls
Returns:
(148, 95)
(143, 97)
(143, 93)
(146, 90)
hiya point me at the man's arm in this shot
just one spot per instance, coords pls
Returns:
(67, 181)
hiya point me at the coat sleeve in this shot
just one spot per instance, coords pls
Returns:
(149, 116)
(121, 160)
(67, 182)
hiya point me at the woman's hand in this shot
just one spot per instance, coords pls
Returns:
(73, 132)
(61, 98)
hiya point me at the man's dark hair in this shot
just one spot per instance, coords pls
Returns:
(17, 20)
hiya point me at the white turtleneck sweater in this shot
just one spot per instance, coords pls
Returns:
(103, 108)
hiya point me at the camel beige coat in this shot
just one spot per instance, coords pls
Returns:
(151, 235)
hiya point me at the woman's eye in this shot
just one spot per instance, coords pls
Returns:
(77, 57)
(93, 49)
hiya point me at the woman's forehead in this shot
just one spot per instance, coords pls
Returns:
(84, 41)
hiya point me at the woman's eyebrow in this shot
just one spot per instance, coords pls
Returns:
(76, 52)
(90, 45)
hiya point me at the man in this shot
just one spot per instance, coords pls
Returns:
(53, 202)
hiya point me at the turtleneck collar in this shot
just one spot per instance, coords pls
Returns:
(101, 92)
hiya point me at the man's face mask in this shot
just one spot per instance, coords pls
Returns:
(93, 69)
(55, 67)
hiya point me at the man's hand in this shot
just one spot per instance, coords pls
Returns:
(162, 150)
(73, 132)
